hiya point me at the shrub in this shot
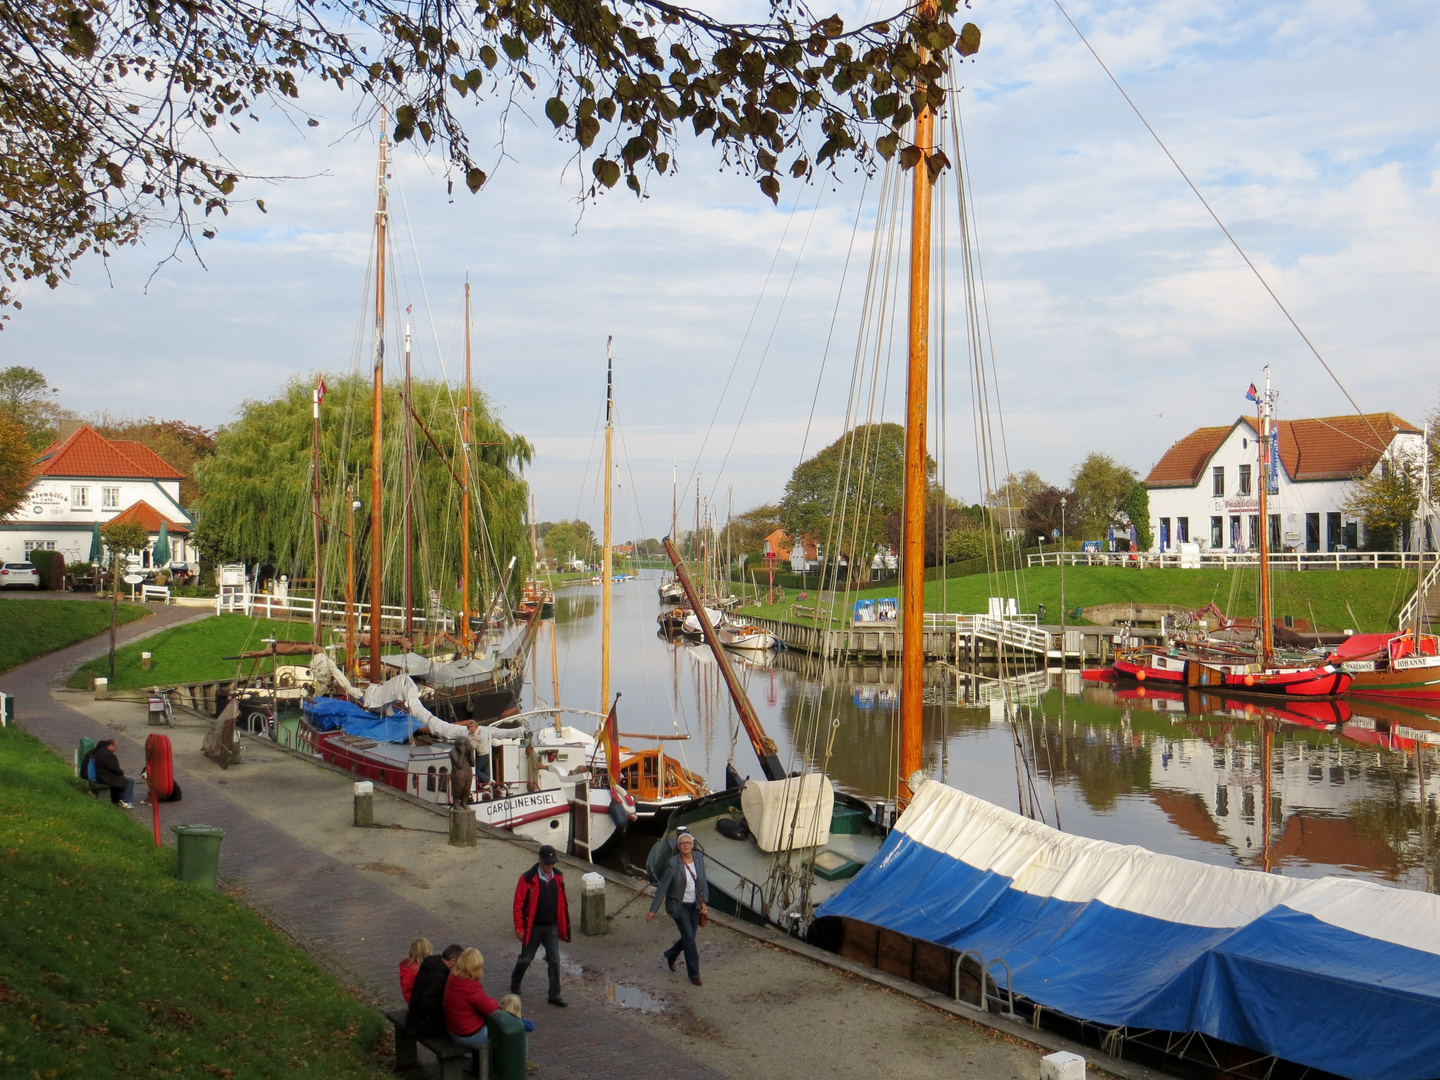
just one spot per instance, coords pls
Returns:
(51, 565)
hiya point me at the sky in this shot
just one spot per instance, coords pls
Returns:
(1121, 318)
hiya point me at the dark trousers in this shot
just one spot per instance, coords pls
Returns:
(549, 936)
(687, 920)
(125, 793)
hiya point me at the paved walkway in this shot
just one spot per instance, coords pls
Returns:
(354, 898)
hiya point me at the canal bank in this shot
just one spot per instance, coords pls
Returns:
(355, 897)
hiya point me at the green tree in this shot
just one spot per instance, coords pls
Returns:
(1017, 490)
(1101, 487)
(567, 538)
(745, 534)
(125, 537)
(845, 493)
(16, 457)
(27, 396)
(257, 502)
(1384, 500)
(1137, 509)
(108, 108)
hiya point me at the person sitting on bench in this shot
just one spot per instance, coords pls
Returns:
(427, 997)
(467, 1005)
(106, 768)
(410, 966)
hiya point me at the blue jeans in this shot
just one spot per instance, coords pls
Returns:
(472, 1042)
(125, 794)
(687, 919)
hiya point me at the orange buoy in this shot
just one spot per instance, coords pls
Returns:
(1140, 675)
(1249, 680)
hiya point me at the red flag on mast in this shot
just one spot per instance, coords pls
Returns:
(610, 740)
(319, 388)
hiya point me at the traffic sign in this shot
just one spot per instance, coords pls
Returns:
(1054, 534)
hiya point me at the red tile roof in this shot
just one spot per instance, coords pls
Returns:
(1326, 448)
(146, 515)
(88, 454)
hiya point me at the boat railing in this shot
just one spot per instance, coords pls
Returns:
(1226, 559)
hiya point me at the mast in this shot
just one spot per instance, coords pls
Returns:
(465, 492)
(409, 487)
(912, 575)
(534, 542)
(378, 414)
(674, 495)
(315, 495)
(350, 660)
(605, 583)
(1421, 519)
(1267, 627)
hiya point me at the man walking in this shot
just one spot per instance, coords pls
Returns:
(542, 917)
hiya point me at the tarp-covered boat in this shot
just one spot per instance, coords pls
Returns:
(1334, 973)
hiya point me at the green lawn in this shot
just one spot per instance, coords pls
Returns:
(109, 966)
(35, 627)
(193, 653)
(1375, 596)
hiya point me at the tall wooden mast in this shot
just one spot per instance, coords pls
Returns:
(409, 489)
(1421, 518)
(465, 434)
(1267, 625)
(912, 574)
(315, 496)
(378, 413)
(605, 558)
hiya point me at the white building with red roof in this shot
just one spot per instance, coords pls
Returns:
(1205, 489)
(83, 480)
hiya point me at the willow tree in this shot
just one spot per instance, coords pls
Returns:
(257, 503)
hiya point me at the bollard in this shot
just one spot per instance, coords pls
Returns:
(145, 661)
(1062, 1065)
(462, 827)
(7, 710)
(102, 688)
(507, 1043)
(592, 905)
(364, 804)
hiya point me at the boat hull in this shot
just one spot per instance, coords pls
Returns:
(1319, 681)
(1419, 683)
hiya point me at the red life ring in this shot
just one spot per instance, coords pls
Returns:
(159, 771)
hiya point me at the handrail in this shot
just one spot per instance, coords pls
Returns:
(1281, 560)
(1407, 613)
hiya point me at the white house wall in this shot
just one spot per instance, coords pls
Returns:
(1295, 500)
(52, 513)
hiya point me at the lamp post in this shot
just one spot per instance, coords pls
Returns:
(1063, 658)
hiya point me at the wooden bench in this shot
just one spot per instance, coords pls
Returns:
(803, 611)
(154, 592)
(450, 1054)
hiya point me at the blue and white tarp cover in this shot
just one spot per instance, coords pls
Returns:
(328, 714)
(1335, 973)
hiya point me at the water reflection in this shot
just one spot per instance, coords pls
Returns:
(1350, 787)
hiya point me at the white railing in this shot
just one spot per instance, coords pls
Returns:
(331, 611)
(1018, 630)
(1279, 560)
(1407, 613)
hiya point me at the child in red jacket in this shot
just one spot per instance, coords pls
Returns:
(419, 949)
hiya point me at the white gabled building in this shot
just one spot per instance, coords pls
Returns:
(83, 479)
(1205, 489)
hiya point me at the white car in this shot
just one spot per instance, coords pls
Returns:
(16, 574)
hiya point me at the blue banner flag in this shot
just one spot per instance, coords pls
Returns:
(1251, 394)
(1274, 469)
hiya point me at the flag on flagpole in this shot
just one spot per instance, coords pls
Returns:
(610, 740)
(320, 388)
(1252, 394)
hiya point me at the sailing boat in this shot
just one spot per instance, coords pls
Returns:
(1212, 666)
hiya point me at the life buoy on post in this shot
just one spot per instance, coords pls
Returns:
(159, 774)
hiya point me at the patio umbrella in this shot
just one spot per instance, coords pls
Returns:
(94, 555)
(161, 555)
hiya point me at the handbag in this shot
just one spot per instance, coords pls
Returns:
(704, 917)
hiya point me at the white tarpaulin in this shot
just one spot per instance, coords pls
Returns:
(328, 677)
(401, 690)
(790, 813)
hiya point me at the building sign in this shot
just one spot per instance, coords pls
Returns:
(44, 500)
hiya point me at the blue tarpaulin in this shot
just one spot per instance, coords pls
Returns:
(1315, 971)
(328, 714)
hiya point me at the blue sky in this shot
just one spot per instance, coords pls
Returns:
(1121, 316)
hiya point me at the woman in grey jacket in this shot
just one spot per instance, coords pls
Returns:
(682, 888)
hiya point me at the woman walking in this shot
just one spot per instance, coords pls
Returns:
(682, 888)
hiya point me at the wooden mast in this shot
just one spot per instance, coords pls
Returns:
(409, 486)
(315, 495)
(378, 415)
(912, 574)
(1267, 627)
(605, 559)
(465, 435)
(351, 663)
(1420, 520)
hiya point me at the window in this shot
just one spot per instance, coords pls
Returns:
(1217, 480)
(1217, 532)
(39, 545)
(1243, 481)
(1182, 530)
(1164, 534)
(1235, 541)
(1254, 542)
(1275, 532)
(1332, 532)
(79, 498)
(109, 498)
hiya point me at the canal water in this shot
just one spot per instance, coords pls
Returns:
(1351, 788)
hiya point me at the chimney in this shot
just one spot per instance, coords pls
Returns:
(70, 427)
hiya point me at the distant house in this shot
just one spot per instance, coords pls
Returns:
(83, 479)
(805, 554)
(776, 544)
(1205, 489)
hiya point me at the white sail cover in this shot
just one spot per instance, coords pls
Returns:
(401, 690)
(790, 813)
(328, 677)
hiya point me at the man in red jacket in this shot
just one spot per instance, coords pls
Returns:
(542, 917)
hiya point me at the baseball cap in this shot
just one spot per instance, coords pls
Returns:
(548, 856)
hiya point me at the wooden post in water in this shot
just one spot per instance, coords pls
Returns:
(917, 480)
(377, 551)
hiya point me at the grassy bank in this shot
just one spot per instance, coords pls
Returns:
(33, 628)
(185, 654)
(1375, 596)
(111, 967)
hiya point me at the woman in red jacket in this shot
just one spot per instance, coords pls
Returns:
(419, 949)
(467, 1005)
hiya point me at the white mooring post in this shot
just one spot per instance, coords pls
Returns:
(1062, 1065)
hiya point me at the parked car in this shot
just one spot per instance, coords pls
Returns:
(15, 574)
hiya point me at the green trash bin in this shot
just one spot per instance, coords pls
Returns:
(199, 853)
(507, 1046)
